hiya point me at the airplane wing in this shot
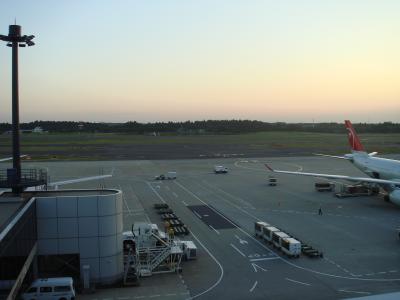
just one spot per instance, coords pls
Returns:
(57, 183)
(343, 177)
(333, 156)
(10, 158)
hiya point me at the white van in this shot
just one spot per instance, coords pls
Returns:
(171, 175)
(60, 288)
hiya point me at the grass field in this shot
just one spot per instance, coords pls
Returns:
(101, 146)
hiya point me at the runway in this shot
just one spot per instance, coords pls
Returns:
(357, 235)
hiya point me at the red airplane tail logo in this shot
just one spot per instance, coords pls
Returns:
(354, 141)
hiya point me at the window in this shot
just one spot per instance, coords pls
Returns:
(64, 288)
(32, 290)
(45, 289)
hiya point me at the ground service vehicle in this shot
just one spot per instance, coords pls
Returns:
(258, 228)
(171, 175)
(220, 170)
(60, 288)
(189, 250)
(272, 181)
(267, 233)
(277, 237)
(291, 247)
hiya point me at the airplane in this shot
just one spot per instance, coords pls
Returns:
(10, 158)
(382, 171)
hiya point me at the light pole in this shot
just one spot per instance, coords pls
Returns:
(14, 40)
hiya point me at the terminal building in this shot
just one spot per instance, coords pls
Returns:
(77, 233)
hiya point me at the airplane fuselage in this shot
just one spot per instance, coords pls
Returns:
(377, 167)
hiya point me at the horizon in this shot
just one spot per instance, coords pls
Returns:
(293, 61)
(208, 120)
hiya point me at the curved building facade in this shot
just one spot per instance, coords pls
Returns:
(84, 222)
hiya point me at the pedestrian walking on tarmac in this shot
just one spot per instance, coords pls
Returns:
(320, 211)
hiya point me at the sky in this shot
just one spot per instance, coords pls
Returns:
(178, 60)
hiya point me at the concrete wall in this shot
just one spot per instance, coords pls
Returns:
(90, 226)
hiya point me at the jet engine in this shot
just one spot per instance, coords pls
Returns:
(395, 197)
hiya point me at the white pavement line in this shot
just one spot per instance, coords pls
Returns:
(299, 282)
(175, 194)
(240, 252)
(154, 296)
(158, 195)
(138, 297)
(123, 298)
(255, 267)
(197, 214)
(217, 232)
(217, 262)
(265, 258)
(356, 292)
(126, 204)
(253, 287)
(170, 295)
(184, 203)
(233, 224)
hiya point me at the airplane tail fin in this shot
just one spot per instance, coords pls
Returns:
(354, 141)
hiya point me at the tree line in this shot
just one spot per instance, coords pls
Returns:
(200, 127)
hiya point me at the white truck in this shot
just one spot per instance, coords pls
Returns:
(277, 237)
(267, 233)
(258, 228)
(291, 247)
(189, 250)
(220, 170)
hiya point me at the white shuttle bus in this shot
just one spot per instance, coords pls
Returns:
(258, 228)
(291, 247)
(277, 236)
(267, 233)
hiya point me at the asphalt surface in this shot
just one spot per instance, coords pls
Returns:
(356, 235)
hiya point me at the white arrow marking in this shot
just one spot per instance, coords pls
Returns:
(253, 287)
(241, 241)
(257, 266)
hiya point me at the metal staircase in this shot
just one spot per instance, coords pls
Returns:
(151, 258)
(132, 266)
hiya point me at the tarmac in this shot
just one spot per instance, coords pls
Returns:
(357, 235)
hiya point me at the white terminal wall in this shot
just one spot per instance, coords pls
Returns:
(90, 226)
